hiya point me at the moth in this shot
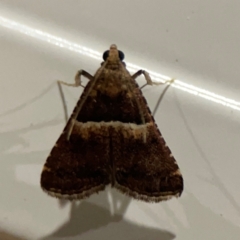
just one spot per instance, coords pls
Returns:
(111, 138)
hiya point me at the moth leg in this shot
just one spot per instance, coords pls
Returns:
(148, 79)
(146, 75)
(162, 95)
(150, 82)
(78, 79)
(76, 84)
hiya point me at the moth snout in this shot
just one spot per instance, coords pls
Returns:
(113, 53)
(113, 46)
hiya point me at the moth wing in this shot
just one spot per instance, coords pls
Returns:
(76, 168)
(145, 170)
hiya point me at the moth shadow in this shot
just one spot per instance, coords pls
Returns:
(89, 221)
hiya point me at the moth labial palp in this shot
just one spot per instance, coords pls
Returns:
(111, 138)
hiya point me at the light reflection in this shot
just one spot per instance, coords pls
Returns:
(63, 43)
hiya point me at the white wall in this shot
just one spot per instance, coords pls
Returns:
(197, 42)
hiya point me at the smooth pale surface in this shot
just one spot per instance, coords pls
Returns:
(195, 41)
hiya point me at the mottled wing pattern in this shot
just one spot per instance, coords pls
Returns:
(145, 170)
(114, 140)
(77, 167)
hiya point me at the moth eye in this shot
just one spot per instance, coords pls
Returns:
(121, 55)
(105, 55)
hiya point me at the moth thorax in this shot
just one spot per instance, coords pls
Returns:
(112, 91)
(113, 65)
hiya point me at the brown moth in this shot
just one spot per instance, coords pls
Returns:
(111, 138)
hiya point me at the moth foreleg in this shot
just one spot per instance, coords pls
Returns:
(76, 84)
(146, 75)
(148, 79)
(150, 82)
(78, 79)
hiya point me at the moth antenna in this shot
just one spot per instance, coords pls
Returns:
(63, 101)
(83, 101)
(161, 97)
(144, 85)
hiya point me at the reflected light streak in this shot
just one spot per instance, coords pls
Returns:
(63, 43)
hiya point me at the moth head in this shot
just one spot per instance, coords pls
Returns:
(113, 53)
